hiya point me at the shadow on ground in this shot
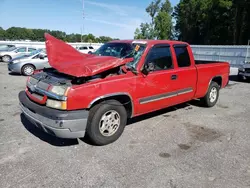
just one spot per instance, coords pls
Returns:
(46, 137)
(235, 78)
(69, 142)
(165, 111)
(14, 74)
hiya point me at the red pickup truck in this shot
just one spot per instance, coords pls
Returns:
(94, 94)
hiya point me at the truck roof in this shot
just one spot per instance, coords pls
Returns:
(150, 42)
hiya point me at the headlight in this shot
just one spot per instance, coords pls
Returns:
(61, 105)
(59, 90)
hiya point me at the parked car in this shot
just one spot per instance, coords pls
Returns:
(244, 71)
(86, 49)
(11, 53)
(6, 47)
(94, 95)
(27, 64)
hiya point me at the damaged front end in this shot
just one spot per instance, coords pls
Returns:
(66, 59)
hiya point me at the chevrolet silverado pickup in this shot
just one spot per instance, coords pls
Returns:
(95, 94)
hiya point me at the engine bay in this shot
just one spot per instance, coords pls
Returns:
(53, 77)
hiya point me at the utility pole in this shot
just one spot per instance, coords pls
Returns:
(83, 16)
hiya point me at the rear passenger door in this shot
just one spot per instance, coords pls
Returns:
(186, 73)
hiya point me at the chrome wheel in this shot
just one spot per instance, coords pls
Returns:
(28, 70)
(213, 95)
(109, 123)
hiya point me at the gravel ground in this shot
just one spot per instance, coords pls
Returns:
(184, 146)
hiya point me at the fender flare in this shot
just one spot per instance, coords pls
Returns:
(113, 95)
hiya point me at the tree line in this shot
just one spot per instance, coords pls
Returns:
(204, 22)
(19, 33)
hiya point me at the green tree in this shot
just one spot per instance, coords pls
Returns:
(153, 9)
(163, 25)
(18, 33)
(2, 34)
(213, 21)
(161, 22)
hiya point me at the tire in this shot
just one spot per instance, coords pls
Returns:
(100, 119)
(212, 95)
(6, 58)
(28, 70)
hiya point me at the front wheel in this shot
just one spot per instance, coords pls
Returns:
(106, 122)
(28, 70)
(212, 95)
(6, 58)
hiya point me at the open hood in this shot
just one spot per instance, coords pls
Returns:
(66, 59)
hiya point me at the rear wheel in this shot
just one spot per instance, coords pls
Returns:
(6, 58)
(212, 95)
(28, 70)
(106, 122)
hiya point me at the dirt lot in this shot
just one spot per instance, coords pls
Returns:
(184, 146)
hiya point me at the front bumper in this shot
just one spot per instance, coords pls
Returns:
(244, 74)
(62, 124)
(14, 68)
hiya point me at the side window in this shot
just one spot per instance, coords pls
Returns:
(91, 48)
(83, 48)
(21, 50)
(160, 58)
(31, 49)
(182, 56)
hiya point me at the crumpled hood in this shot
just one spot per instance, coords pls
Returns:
(68, 60)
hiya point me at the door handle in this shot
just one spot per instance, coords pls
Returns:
(174, 77)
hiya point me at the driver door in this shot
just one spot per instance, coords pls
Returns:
(156, 90)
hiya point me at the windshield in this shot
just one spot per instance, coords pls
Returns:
(138, 50)
(122, 50)
(118, 50)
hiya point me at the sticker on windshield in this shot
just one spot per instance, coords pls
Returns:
(137, 47)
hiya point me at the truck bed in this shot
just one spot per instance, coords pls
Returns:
(199, 62)
(210, 69)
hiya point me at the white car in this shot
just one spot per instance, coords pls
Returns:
(11, 53)
(86, 49)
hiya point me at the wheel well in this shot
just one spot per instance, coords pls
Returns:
(125, 100)
(218, 80)
(29, 64)
(7, 55)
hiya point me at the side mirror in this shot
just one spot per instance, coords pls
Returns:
(149, 67)
(41, 57)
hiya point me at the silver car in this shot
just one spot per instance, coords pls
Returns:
(11, 53)
(26, 65)
(244, 71)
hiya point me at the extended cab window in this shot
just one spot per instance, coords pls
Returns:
(182, 56)
(160, 58)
